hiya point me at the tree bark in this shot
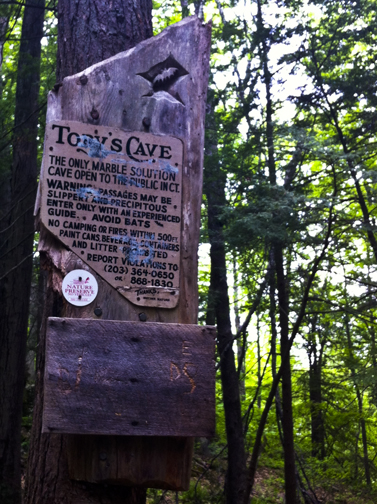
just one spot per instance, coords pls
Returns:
(16, 253)
(90, 31)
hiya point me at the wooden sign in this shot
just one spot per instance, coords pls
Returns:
(128, 378)
(114, 198)
(155, 93)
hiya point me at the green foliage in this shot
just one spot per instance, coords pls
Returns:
(165, 13)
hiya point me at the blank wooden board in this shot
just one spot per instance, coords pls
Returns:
(129, 378)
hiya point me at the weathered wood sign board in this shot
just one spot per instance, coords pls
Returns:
(127, 378)
(114, 198)
(153, 94)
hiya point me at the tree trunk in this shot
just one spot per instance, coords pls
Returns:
(281, 284)
(272, 315)
(259, 357)
(287, 420)
(5, 163)
(372, 333)
(88, 32)
(359, 396)
(16, 253)
(242, 340)
(3, 30)
(315, 394)
(214, 188)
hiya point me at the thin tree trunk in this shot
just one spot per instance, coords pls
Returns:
(287, 420)
(16, 253)
(315, 394)
(358, 396)
(272, 313)
(5, 168)
(214, 187)
(210, 314)
(184, 8)
(259, 357)
(281, 285)
(241, 341)
(3, 30)
(372, 332)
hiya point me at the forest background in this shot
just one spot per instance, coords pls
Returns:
(288, 223)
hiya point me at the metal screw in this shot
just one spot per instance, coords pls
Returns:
(142, 317)
(84, 80)
(103, 456)
(146, 122)
(98, 311)
(94, 113)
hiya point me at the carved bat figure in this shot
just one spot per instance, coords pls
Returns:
(164, 76)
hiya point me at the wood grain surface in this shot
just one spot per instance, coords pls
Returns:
(129, 378)
(120, 460)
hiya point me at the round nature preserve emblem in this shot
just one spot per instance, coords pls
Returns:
(79, 287)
